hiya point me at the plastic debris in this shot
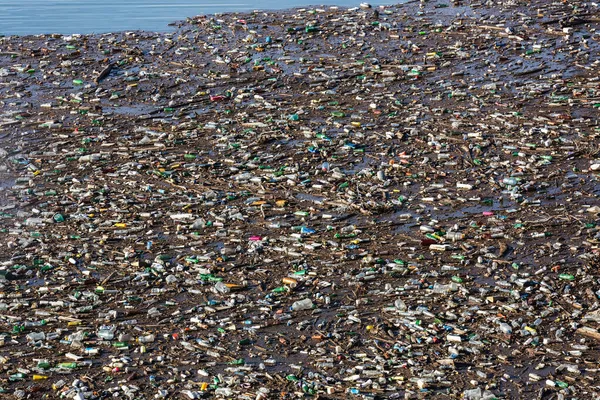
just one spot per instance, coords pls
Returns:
(375, 202)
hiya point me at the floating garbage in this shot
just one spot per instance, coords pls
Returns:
(379, 202)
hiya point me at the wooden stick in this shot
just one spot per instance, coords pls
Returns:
(589, 332)
(104, 73)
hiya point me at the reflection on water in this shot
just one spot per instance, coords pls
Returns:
(92, 16)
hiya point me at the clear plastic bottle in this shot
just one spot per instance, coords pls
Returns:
(454, 236)
(505, 328)
(305, 304)
(146, 339)
(222, 288)
(106, 332)
(36, 336)
(124, 337)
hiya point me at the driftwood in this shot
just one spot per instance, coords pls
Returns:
(104, 73)
(589, 332)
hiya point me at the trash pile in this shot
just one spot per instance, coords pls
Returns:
(390, 202)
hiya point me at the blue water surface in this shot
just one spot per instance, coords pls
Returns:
(100, 16)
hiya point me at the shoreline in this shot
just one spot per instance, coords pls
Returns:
(396, 202)
(167, 27)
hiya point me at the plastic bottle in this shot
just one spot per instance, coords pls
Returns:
(505, 328)
(222, 288)
(125, 337)
(36, 336)
(106, 332)
(454, 236)
(225, 392)
(43, 365)
(19, 376)
(34, 323)
(305, 304)
(69, 365)
(146, 339)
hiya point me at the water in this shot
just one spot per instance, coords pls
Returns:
(92, 16)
